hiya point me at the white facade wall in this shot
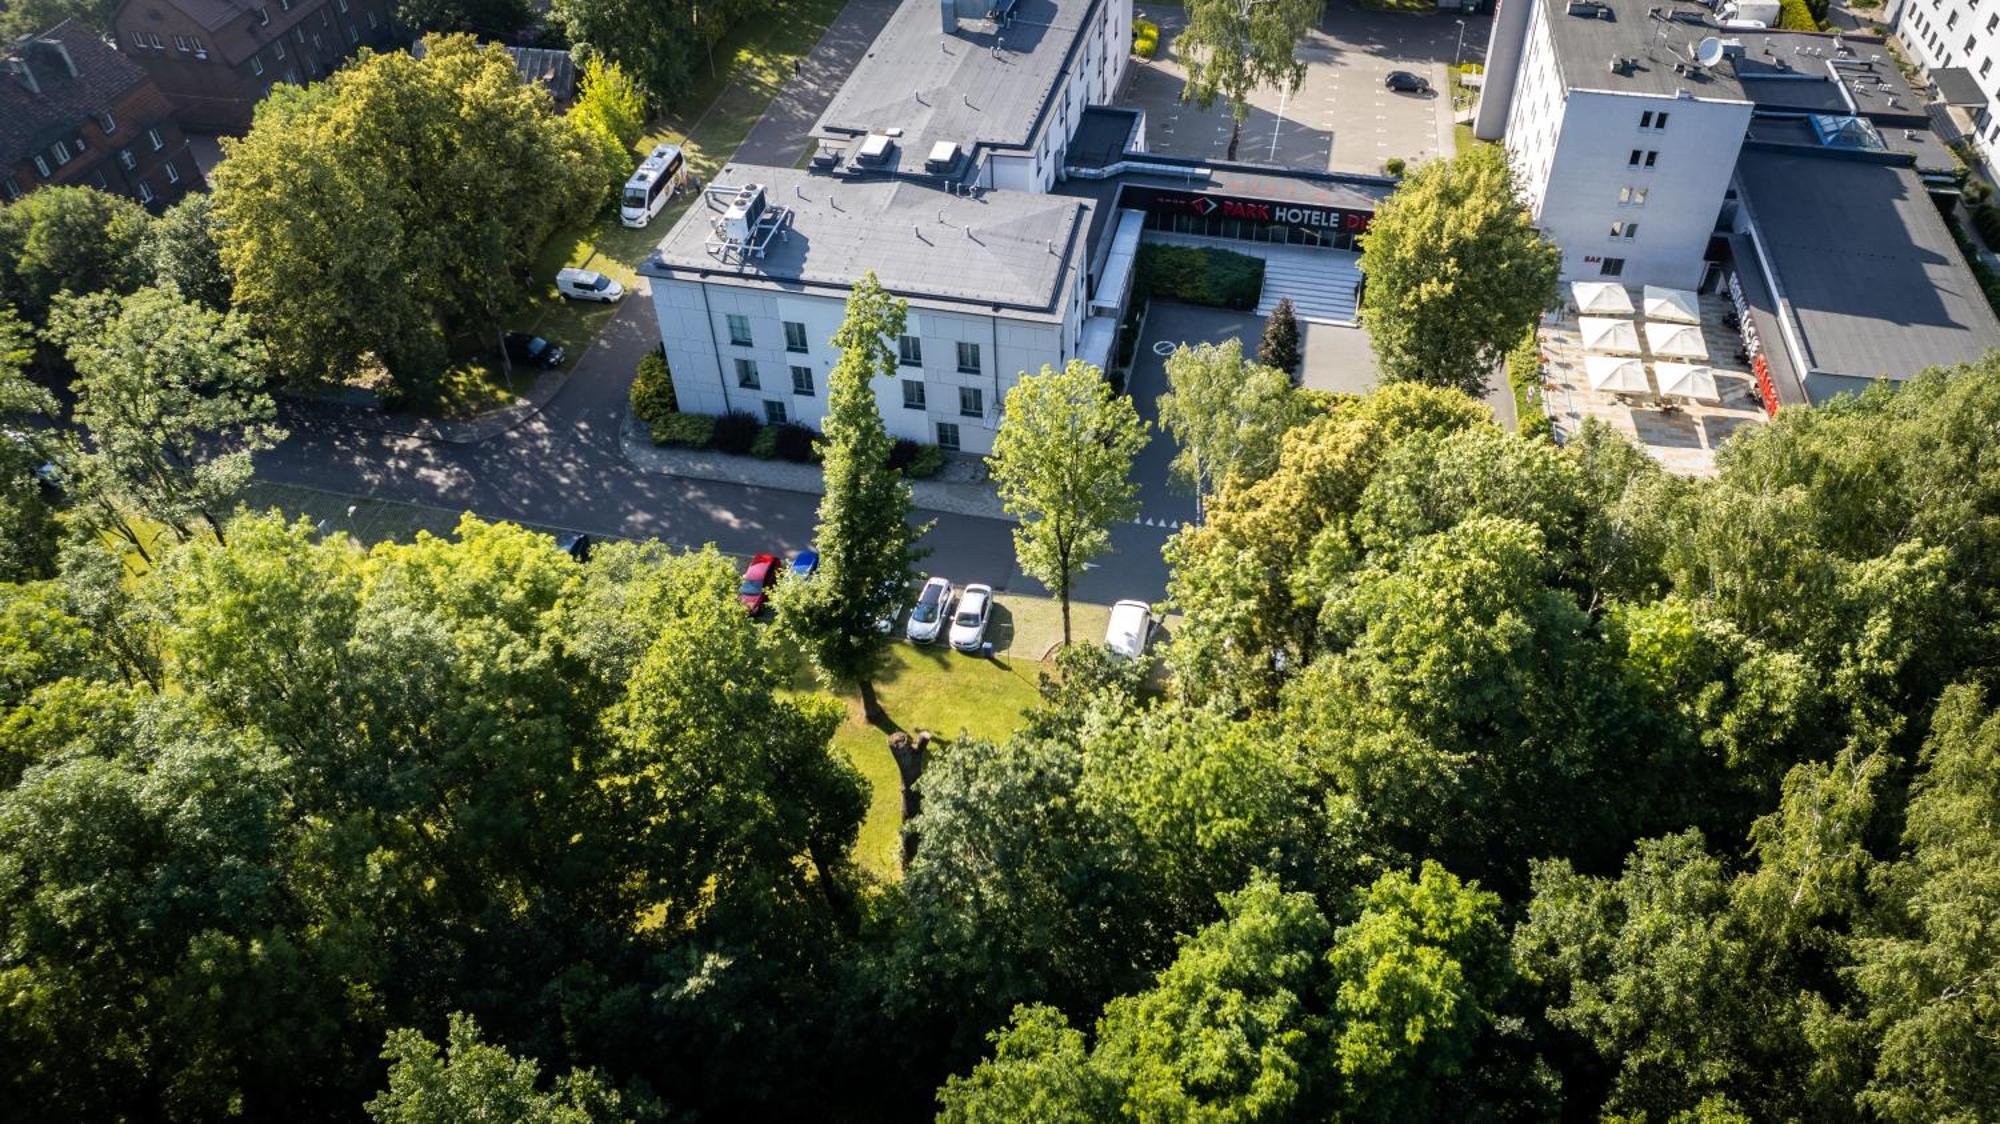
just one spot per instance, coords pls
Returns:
(1622, 199)
(1940, 33)
(1093, 77)
(695, 329)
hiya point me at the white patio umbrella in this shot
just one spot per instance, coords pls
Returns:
(1688, 380)
(1676, 305)
(1603, 334)
(1678, 341)
(1615, 374)
(1600, 298)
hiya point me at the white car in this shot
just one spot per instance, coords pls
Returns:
(1130, 630)
(968, 626)
(928, 615)
(588, 285)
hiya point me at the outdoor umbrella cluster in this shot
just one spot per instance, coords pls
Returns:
(1672, 335)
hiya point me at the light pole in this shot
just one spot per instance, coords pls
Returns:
(1455, 55)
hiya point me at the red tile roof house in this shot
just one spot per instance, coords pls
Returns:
(75, 112)
(216, 59)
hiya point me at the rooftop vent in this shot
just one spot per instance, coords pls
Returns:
(874, 151)
(826, 157)
(943, 157)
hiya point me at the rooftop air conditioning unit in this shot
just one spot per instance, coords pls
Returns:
(874, 150)
(943, 157)
(741, 217)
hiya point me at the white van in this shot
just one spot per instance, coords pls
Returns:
(1130, 629)
(588, 285)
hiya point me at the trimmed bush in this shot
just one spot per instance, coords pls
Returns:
(902, 453)
(1524, 374)
(652, 391)
(925, 464)
(1394, 166)
(1794, 15)
(795, 442)
(1145, 38)
(1200, 275)
(1986, 217)
(685, 431)
(765, 447)
(735, 432)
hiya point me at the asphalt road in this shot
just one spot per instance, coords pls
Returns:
(563, 468)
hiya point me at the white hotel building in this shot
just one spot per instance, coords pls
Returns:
(1957, 42)
(935, 164)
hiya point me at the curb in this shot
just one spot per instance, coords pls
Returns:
(637, 448)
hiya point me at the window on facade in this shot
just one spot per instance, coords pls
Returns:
(102, 183)
(326, 17)
(1986, 68)
(909, 351)
(1612, 267)
(138, 39)
(154, 41)
(352, 35)
(256, 65)
(107, 122)
(181, 43)
(316, 42)
(802, 381)
(371, 21)
(1651, 157)
(968, 357)
(343, 7)
(1950, 20)
(145, 192)
(173, 173)
(746, 374)
(1992, 23)
(263, 16)
(913, 394)
(1625, 230)
(11, 189)
(1631, 196)
(1646, 119)
(739, 330)
(774, 411)
(795, 336)
(947, 436)
(62, 153)
(1638, 155)
(278, 47)
(158, 142)
(971, 402)
(195, 41)
(284, 5)
(126, 159)
(42, 166)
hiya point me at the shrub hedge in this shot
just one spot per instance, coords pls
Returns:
(652, 393)
(1145, 38)
(686, 431)
(1986, 217)
(1200, 275)
(1524, 374)
(1796, 15)
(925, 464)
(735, 432)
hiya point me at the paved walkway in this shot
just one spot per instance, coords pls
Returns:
(779, 138)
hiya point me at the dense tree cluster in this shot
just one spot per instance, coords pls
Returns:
(1487, 778)
(368, 219)
(667, 45)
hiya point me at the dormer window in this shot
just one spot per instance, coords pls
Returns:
(263, 16)
(107, 123)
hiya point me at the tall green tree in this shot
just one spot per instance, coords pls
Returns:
(367, 218)
(611, 110)
(662, 45)
(1455, 272)
(184, 254)
(1063, 464)
(488, 19)
(69, 239)
(1280, 346)
(1232, 47)
(471, 1079)
(1226, 415)
(866, 542)
(27, 522)
(171, 402)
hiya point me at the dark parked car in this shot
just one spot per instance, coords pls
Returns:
(1402, 81)
(758, 578)
(534, 350)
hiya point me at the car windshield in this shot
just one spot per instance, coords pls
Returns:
(925, 612)
(635, 198)
(968, 614)
(751, 585)
(602, 283)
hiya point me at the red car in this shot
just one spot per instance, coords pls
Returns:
(757, 581)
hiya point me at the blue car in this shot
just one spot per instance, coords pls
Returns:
(805, 562)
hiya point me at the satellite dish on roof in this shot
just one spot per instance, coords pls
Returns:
(1708, 52)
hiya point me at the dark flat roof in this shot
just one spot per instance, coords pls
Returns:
(1873, 279)
(999, 249)
(1102, 132)
(983, 84)
(1958, 87)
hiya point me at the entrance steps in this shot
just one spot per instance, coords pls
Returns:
(1321, 283)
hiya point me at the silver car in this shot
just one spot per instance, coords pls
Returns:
(929, 614)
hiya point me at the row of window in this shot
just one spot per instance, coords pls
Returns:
(947, 432)
(10, 188)
(62, 152)
(1654, 120)
(1642, 158)
(909, 349)
(971, 399)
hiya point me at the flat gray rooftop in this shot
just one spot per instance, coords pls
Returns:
(1001, 249)
(1789, 70)
(983, 84)
(1874, 280)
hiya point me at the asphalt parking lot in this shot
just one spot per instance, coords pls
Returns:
(1342, 118)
